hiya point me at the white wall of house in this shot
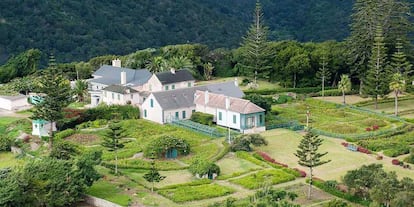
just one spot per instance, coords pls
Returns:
(153, 84)
(14, 104)
(112, 98)
(228, 119)
(152, 112)
(42, 130)
(183, 113)
(207, 110)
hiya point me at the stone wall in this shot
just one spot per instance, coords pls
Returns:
(98, 202)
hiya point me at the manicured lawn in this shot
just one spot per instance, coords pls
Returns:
(7, 120)
(349, 99)
(191, 193)
(283, 143)
(403, 105)
(263, 178)
(263, 84)
(333, 118)
(172, 177)
(231, 164)
(109, 191)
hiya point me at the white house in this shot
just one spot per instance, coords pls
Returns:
(14, 103)
(235, 113)
(41, 127)
(120, 95)
(166, 106)
(169, 80)
(116, 75)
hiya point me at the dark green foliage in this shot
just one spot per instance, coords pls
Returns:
(361, 180)
(24, 64)
(64, 150)
(304, 90)
(5, 143)
(336, 203)
(336, 192)
(215, 23)
(158, 147)
(46, 182)
(112, 140)
(410, 158)
(203, 167)
(265, 103)
(84, 167)
(271, 197)
(243, 142)
(202, 118)
(107, 112)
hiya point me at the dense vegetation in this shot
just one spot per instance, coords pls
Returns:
(76, 30)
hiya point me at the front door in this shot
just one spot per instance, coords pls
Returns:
(251, 122)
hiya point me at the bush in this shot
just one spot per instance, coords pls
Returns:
(203, 167)
(159, 146)
(336, 192)
(264, 102)
(65, 133)
(397, 150)
(395, 162)
(202, 118)
(5, 143)
(301, 172)
(111, 112)
(243, 142)
(283, 99)
(410, 158)
(267, 158)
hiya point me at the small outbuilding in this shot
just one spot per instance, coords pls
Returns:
(41, 127)
(14, 103)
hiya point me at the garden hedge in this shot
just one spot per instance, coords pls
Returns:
(202, 118)
(272, 91)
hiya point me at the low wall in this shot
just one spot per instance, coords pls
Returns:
(98, 202)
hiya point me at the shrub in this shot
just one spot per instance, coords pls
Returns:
(159, 146)
(397, 150)
(202, 118)
(267, 158)
(263, 102)
(243, 142)
(338, 193)
(193, 183)
(395, 162)
(272, 91)
(203, 167)
(379, 157)
(375, 127)
(5, 143)
(246, 156)
(410, 158)
(108, 112)
(368, 129)
(301, 172)
(363, 150)
(65, 133)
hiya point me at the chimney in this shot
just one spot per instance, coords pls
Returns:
(227, 103)
(116, 63)
(172, 70)
(206, 97)
(123, 78)
(127, 90)
(236, 83)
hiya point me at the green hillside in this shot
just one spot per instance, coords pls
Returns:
(79, 30)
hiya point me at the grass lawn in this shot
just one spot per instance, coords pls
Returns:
(333, 118)
(389, 107)
(349, 99)
(7, 120)
(172, 177)
(8, 159)
(263, 84)
(283, 143)
(109, 191)
(200, 192)
(262, 178)
(231, 164)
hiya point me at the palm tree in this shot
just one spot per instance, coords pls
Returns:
(344, 85)
(157, 64)
(80, 89)
(397, 85)
(180, 62)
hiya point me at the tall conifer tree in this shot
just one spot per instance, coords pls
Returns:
(257, 54)
(377, 79)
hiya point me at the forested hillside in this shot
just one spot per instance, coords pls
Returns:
(79, 30)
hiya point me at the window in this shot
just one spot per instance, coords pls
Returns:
(183, 114)
(189, 84)
(192, 111)
(152, 103)
(166, 88)
(145, 113)
(113, 96)
(119, 97)
(234, 119)
(220, 116)
(173, 87)
(261, 119)
(177, 115)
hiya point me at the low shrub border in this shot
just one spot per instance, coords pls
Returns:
(339, 193)
(278, 165)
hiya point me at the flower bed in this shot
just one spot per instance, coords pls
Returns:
(358, 148)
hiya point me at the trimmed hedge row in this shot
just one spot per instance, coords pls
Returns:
(193, 183)
(202, 118)
(65, 133)
(386, 100)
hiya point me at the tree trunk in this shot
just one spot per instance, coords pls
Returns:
(152, 186)
(294, 80)
(310, 183)
(323, 86)
(343, 96)
(396, 103)
(116, 162)
(361, 83)
(51, 136)
(376, 101)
